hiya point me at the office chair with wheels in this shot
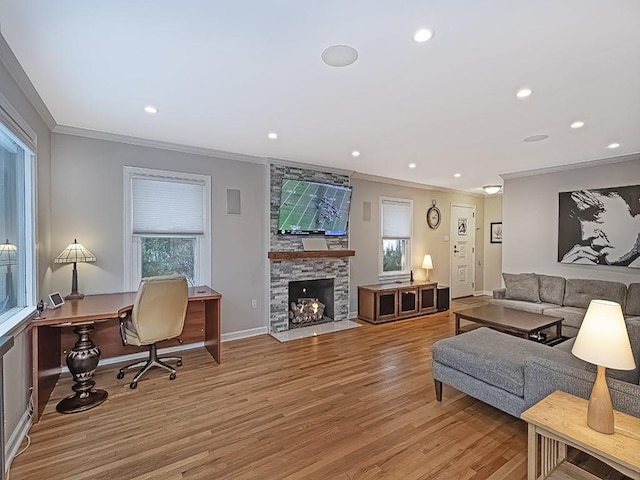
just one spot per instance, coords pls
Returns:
(158, 314)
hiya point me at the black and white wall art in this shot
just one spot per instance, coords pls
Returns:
(600, 226)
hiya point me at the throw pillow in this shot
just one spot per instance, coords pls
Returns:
(522, 286)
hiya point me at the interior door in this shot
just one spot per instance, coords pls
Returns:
(463, 241)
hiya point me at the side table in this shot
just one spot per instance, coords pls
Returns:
(560, 420)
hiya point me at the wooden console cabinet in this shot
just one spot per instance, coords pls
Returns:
(386, 302)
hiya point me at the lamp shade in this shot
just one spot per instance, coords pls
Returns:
(427, 264)
(75, 252)
(8, 253)
(603, 338)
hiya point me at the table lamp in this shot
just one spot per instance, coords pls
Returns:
(427, 264)
(75, 253)
(603, 340)
(8, 257)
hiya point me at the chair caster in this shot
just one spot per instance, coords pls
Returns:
(120, 375)
(133, 385)
(179, 364)
(172, 376)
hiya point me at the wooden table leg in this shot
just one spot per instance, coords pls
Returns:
(457, 325)
(532, 453)
(212, 328)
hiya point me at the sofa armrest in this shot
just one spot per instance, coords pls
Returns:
(542, 377)
(500, 293)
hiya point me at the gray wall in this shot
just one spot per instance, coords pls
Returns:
(88, 203)
(364, 235)
(492, 251)
(17, 363)
(530, 222)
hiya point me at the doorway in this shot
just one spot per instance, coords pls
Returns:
(463, 250)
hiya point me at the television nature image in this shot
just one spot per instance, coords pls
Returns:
(313, 208)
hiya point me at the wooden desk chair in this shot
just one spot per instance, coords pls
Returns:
(158, 314)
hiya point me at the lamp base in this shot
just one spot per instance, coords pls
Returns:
(600, 411)
(74, 296)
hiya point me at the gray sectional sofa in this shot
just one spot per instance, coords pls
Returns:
(513, 373)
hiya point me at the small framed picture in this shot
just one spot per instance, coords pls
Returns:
(56, 300)
(496, 232)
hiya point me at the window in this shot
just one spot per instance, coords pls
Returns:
(167, 226)
(17, 226)
(395, 245)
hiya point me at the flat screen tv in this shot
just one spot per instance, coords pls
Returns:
(308, 208)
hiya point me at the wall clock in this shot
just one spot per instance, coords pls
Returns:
(433, 216)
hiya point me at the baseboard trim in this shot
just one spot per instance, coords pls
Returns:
(13, 444)
(251, 332)
(482, 292)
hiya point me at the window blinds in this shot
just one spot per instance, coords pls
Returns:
(164, 207)
(396, 219)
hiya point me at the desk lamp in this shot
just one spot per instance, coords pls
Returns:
(8, 257)
(427, 264)
(75, 253)
(603, 340)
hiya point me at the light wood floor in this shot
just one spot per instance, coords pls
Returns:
(357, 404)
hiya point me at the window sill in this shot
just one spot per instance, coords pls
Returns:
(11, 325)
(392, 277)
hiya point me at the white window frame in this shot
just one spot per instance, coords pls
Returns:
(405, 274)
(27, 139)
(133, 244)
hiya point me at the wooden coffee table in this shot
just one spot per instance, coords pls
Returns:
(509, 320)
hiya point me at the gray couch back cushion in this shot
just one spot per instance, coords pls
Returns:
(580, 292)
(522, 286)
(633, 300)
(551, 289)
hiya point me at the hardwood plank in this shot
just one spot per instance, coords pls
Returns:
(357, 404)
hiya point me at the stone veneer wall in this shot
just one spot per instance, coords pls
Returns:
(284, 271)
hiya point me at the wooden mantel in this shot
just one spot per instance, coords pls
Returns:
(311, 254)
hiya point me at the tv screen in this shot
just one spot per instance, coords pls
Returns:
(313, 208)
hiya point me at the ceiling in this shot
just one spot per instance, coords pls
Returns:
(223, 74)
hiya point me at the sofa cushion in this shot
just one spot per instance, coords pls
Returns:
(551, 289)
(572, 316)
(521, 305)
(631, 376)
(522, 286)
(491, 356)
(580, 292)
(632, 305)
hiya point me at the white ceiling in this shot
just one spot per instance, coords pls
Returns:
(223, 74)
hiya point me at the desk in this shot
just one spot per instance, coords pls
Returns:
(51, 334)
(560, 420)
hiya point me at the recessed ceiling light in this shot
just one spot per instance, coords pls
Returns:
(150, 109)
(412, 165)
(273, 135)
(339, 55)
(524, 92)
(355, 153)
(577, 124)
(613, 145)
(535, 138)
(457, 175)
(423, 35)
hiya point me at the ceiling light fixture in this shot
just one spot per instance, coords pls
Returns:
(457, 175)
(412, 165)
(613, 145)
(150, 109)
(492, 189)
(423, 35)
(339, 55)
(577, 124)
(535, 138)
(524, 92)
(355, 153)
(273, 135)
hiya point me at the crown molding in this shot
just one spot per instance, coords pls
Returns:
(572, 166)
(16, 71)
(407, 183)
(146, 142)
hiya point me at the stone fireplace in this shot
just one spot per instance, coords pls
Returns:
(289, 262)
(310, 302)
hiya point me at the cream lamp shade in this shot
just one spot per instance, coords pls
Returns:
(75, 253)
(8, 254)
(603, 340)
(427, 264)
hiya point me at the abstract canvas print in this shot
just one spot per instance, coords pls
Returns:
(600, 226)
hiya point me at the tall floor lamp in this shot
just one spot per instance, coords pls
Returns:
(9, 257)
(603, 340)
(75, 253)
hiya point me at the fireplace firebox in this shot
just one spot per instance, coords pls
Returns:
(311, 302)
